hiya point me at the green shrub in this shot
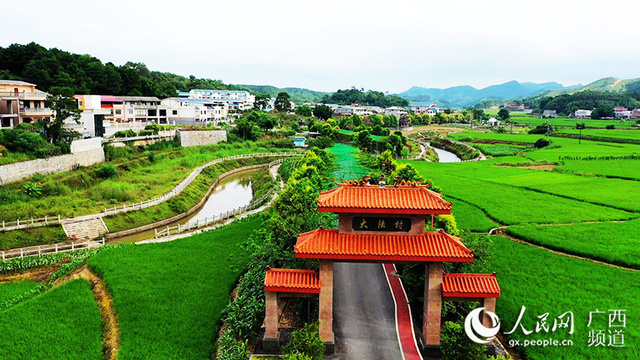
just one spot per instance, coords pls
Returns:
(541, 143)
(107, 171)
(447, 223)
(540, 129)
(147, 132)
(32, 190)
(321, 142)
(125, 133)
(305, 341)
(610, 127)
(455, 344)
(296, 356)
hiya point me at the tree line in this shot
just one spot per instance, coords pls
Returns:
(359, 96)
(55, 71)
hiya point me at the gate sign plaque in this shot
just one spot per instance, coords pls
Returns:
(374, 223)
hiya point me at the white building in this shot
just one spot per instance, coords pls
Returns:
(493, 122)
(424, 108)
(144, 109)
(185, 111)
(549, 114)
(238, 100)
(396, 110)
(582, 114)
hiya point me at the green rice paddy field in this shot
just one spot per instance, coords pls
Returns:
(63, 323)
(570, 210)
(169, 296)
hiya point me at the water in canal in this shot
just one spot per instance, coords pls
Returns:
(446, 156)
(231, 193)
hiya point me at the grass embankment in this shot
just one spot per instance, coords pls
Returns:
(63, 323)
(347, 167)
(187, 199)
(169, 296)
(140, 176)
(615, 243)
(551, 283)
(31, 237)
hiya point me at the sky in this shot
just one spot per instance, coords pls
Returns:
(328, 45)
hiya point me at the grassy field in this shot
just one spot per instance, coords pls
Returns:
(571, 123)
(31, 236)
(471, 218)
(595, 241)
(374, 137)
(501, 149)
(63, 323)
(596, 190)
(84, 191)
(9, 290)
(514, 205)
(169, 296)
(621, 134)
(549, 283)
(629, 169)
(181, 203)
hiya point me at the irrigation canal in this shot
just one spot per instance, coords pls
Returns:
(232, 192)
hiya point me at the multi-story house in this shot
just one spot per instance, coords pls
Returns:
(144, 109)
(242, 100)
(397, 111)
(22, 102)
(635, 114)
(186, 111)
(423, 108)
(621, 112)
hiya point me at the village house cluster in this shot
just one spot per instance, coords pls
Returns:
(21, 102)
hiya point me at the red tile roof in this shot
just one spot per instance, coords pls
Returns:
(292, 281)
(383, 200)
(470, 286)
(433, 246)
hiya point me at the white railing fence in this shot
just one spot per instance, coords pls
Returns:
(48, 249)
(26, 223)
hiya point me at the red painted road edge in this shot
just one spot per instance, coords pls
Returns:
(404, 324)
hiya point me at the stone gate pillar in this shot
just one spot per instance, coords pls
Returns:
(271, 340)
(489, 304)
(432, 304)
(326, 304)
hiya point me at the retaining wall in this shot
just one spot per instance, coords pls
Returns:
(83, 153)
(201, 137)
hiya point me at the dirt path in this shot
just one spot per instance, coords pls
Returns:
(110, 330)
(36, 274)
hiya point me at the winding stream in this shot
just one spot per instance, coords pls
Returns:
(232, 192)
(445, 156)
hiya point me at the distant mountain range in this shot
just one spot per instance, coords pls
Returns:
(466, 96)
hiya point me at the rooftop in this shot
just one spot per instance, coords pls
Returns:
(470, 286)
(15, 82)
(433, 246)
(292, 281)
(139, 98)
(390, 199)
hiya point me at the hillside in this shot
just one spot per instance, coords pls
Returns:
(298, 95)
(466, 96)
(608, 84)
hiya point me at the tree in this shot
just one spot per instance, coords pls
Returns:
(304, 110)
(323, 112)
(503, 114)
(64, 106)
(282, 102)
(261, 101)
(364, 141)
(396, 142)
